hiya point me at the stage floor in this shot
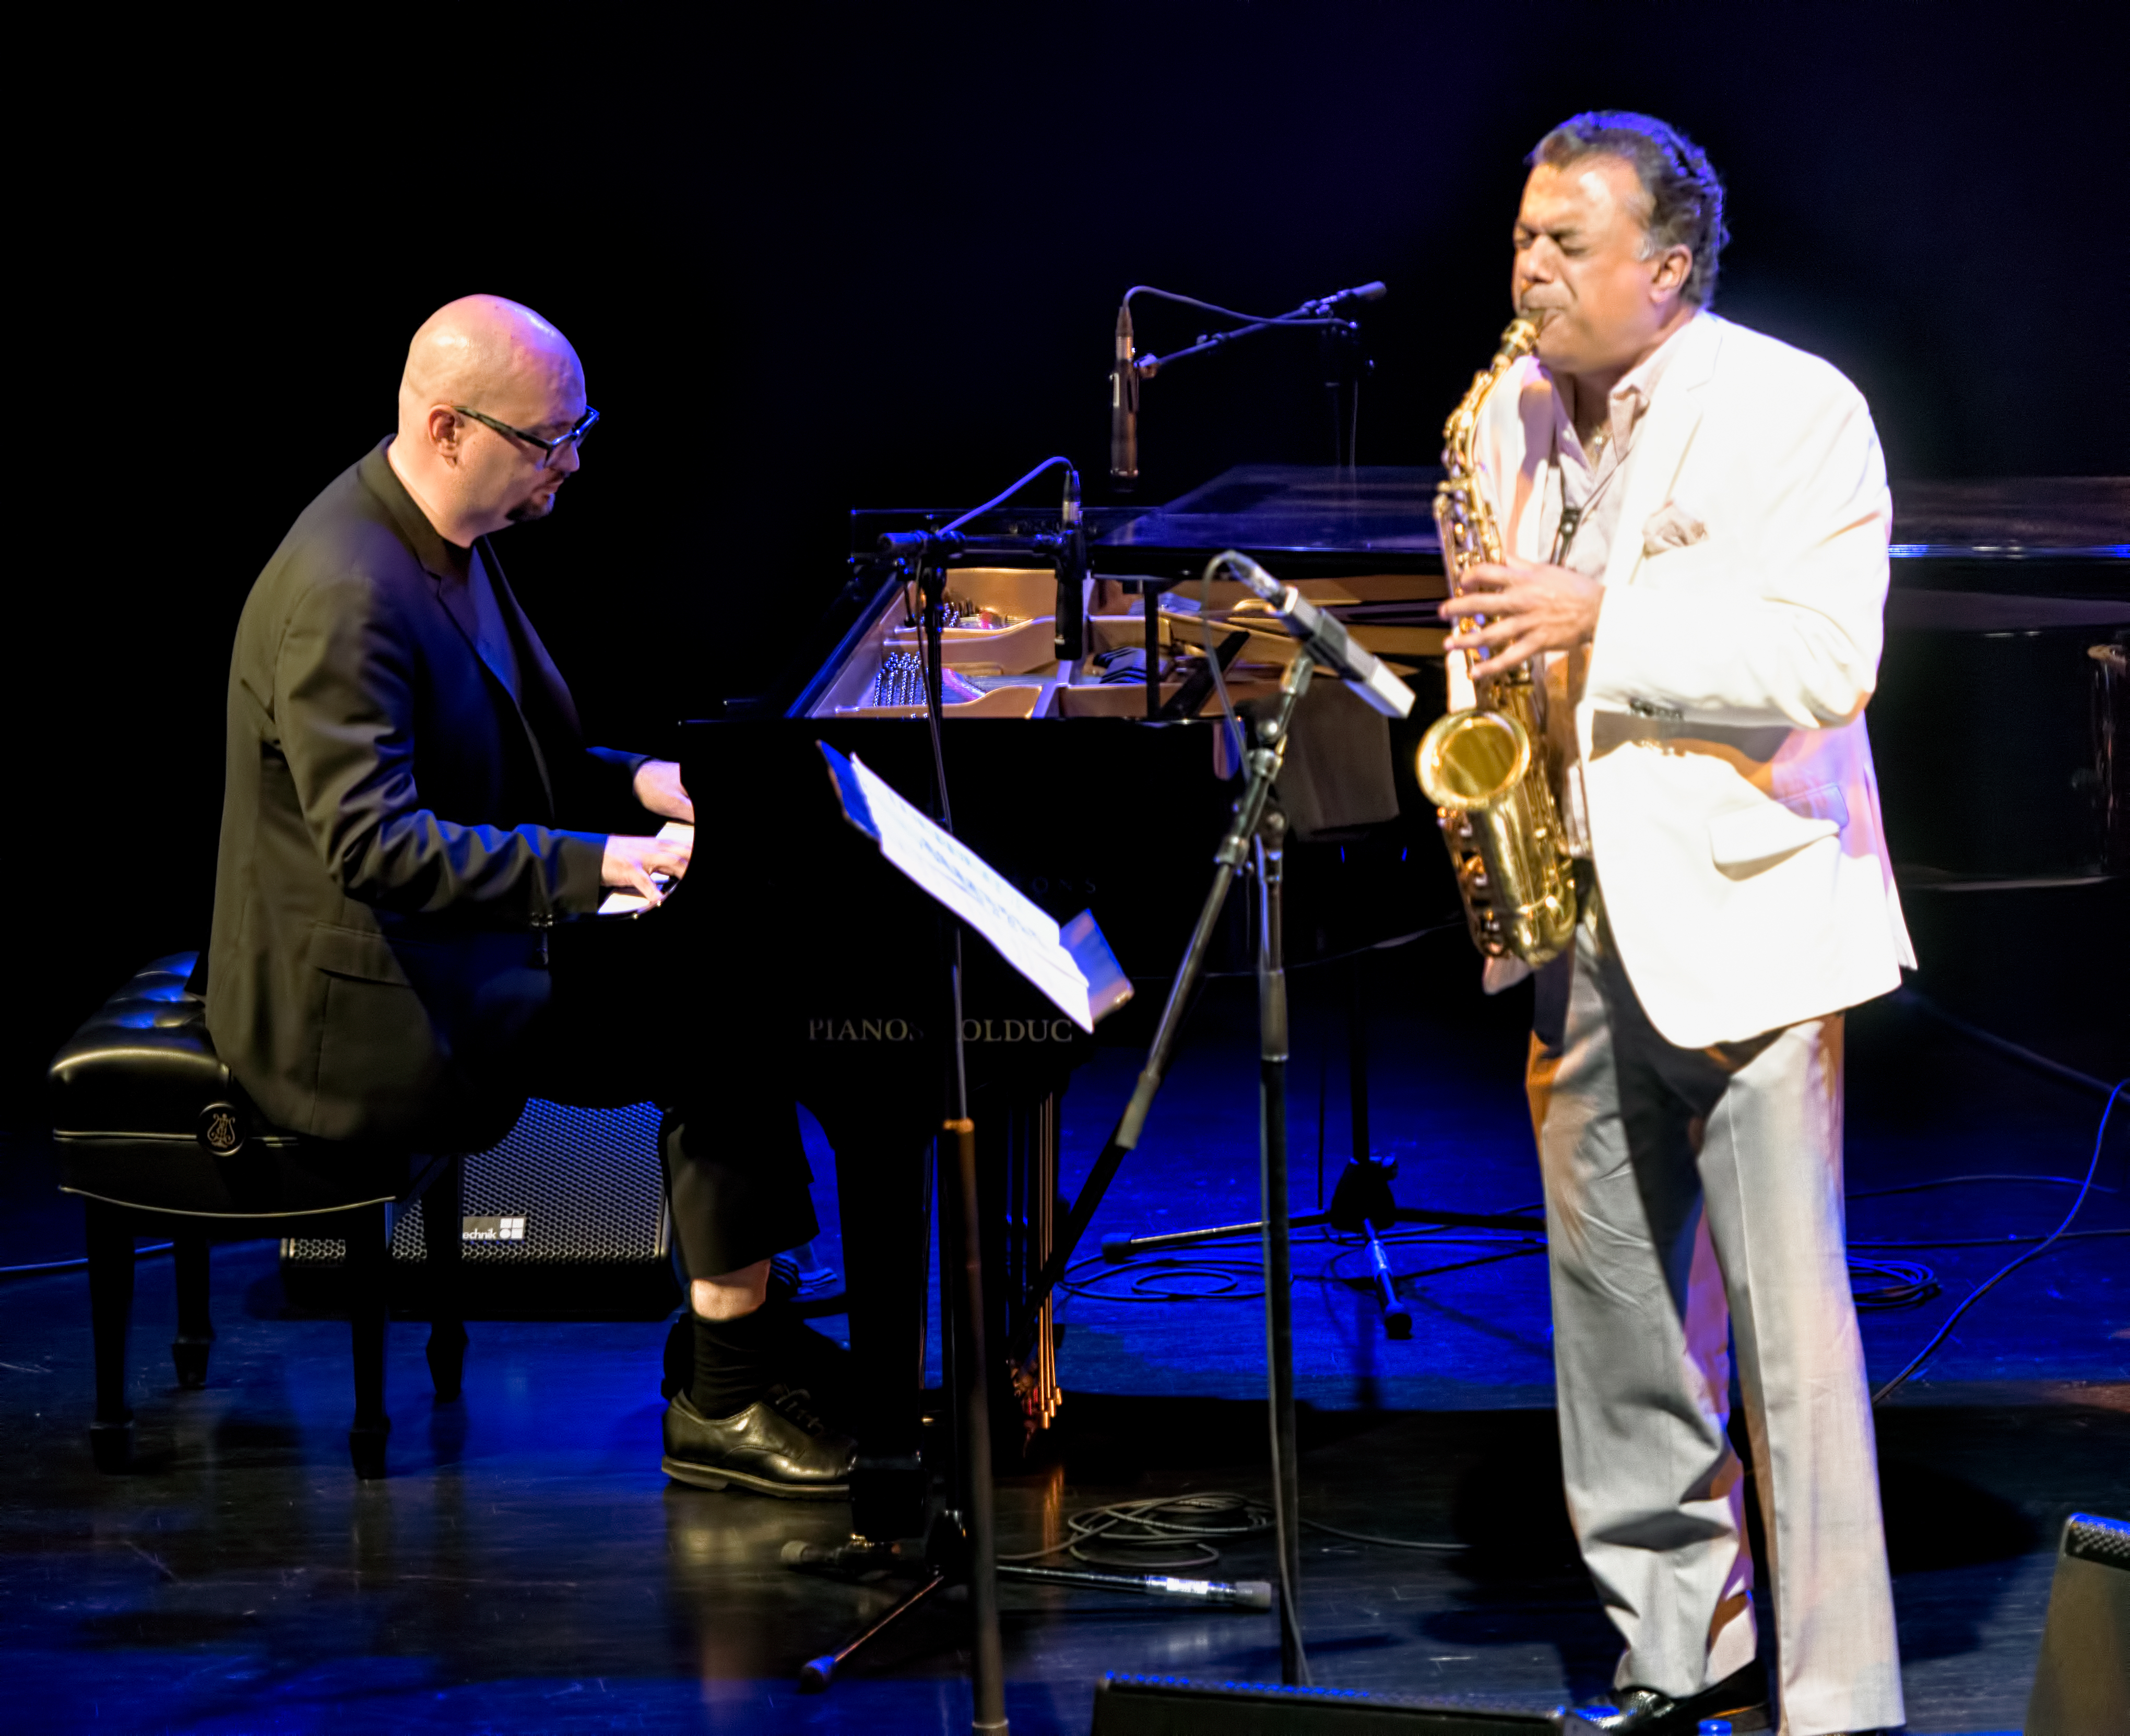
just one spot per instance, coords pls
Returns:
(526, 1568)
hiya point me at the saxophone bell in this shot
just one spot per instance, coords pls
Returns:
(1477, 765)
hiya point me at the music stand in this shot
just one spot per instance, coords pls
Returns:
(1254, 843)
(960, 1547)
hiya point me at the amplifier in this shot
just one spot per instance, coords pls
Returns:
(2082, 1683)
(564, 1218)
(1167, 1705)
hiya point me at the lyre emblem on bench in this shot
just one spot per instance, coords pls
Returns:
(221, 1130)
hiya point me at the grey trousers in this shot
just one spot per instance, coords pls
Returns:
(1689, 1191)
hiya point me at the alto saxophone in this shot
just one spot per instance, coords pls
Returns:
(1484, 768)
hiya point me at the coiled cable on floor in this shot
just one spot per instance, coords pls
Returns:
(1906, 1284)
(1167, 1278)
(1172, 1531)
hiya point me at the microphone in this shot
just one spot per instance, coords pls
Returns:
(1124, 408)
(1323, 637)
(920, 544)
(1072, 562)
(1359, 293)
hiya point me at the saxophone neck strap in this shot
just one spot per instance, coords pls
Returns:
(1572, 515)
(1563, 538)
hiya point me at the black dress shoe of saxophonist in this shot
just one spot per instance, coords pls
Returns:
(1742, 1697)
(776, 1446)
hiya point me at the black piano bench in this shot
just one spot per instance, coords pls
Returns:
(158, 1139)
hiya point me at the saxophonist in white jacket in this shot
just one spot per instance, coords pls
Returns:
(1696, 519)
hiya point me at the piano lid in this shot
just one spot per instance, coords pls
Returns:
(1296, 508)
(1390, 509)
(2013, 518)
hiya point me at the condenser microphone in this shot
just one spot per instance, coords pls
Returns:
(925, 546)
(1359, 292)
(1324, 637)
(1071, 559)
(1124, 408)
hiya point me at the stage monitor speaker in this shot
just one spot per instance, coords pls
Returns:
(563, 1218)
(2082, 1683)
(1165, 1705)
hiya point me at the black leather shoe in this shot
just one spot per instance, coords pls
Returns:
(1742, 1697)
(775, 1446)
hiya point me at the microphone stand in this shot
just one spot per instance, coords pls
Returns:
(962, 1544)
(1363, 1202)
(1344, 367)
(1255, 840)
(976, 1521)
(1318, 312)
(1343, 364)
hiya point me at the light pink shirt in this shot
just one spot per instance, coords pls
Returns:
(1586, 478)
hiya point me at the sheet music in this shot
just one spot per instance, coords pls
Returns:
(1074, 969)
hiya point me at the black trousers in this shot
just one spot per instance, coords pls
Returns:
(605, 1023)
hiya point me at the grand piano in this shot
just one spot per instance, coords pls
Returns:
(1084, 783)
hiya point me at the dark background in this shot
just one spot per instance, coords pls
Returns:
(837, 257)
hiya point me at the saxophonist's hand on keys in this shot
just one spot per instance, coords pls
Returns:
(632, 862)
(1529, 608)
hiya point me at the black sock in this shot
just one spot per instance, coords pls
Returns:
(734, 1363)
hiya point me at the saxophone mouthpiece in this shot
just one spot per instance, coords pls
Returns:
(1521, 337)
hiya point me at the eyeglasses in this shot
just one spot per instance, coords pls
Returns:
(548, 448)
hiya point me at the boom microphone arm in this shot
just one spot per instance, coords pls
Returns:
(1127, 369)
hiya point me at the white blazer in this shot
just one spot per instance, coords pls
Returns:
(1733, 813)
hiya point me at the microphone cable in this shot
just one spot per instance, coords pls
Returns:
(996, 500)
(1296, 318)
(2004, 1272)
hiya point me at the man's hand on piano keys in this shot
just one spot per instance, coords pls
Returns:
(658, 788)
(632, 863)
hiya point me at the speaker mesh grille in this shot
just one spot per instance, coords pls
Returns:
(2095, 1539)
(584, 1186)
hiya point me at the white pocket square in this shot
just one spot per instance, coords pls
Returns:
(1671, 527)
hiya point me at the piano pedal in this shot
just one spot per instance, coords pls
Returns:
(801, 1278)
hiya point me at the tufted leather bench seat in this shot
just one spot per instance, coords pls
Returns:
(158, 1139)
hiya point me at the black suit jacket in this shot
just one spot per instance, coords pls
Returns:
(393, 823)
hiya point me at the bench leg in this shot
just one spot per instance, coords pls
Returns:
(368, 1256)
(443, 1239)
(111, 1307)
(195, 1336)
